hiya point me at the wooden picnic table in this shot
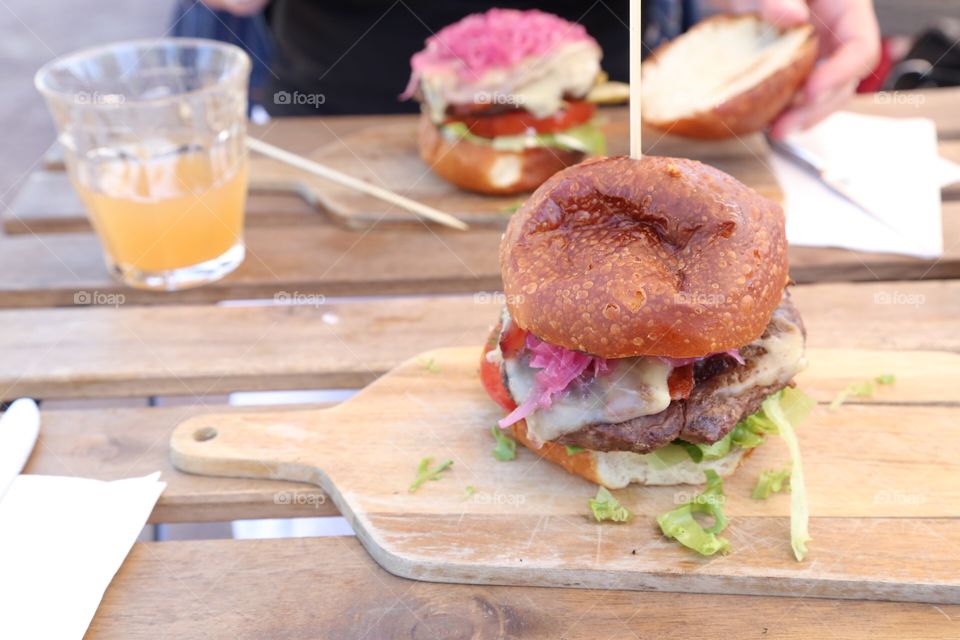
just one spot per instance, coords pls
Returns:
(194, 345)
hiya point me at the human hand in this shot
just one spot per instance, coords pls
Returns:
(849, 40)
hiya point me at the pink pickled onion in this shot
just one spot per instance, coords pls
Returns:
(497, 39)
(558, 368)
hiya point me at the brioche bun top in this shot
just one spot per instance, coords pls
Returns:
(619, 257)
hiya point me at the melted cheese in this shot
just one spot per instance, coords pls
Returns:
(783, 359)
(634, 387)
(537, 84)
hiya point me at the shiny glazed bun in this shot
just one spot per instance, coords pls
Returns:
(659, 256)
(483, 169)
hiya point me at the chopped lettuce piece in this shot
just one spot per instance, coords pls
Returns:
(586, 138)
(469, 491)
(786, 410)
(511, 208)
(718, 449)
(681, 524)
(667, 456)
(770, 481)
(747, 434)
(430, 365)
(572, 450)
(606, 507)
(863, 389)
(695, 451)
(424, 472)
(506, 448)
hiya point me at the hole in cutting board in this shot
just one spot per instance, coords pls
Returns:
(207, 433)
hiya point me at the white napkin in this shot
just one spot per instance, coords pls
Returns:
(894, 165)
(61, 542)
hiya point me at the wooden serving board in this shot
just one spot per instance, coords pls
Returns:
(883, 478)
(387, 155)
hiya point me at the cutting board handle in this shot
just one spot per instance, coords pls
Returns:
(234, 444)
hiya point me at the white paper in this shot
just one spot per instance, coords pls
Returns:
(61, 542)
(890, 163)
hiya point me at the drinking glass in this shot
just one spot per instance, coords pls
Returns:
(153, 137)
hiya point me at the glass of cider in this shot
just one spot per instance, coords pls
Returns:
(152, 133)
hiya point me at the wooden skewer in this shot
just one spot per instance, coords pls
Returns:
(350, 182)
(636, 54)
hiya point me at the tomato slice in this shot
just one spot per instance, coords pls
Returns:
(514, 123)
(493, 382)
(512, 340)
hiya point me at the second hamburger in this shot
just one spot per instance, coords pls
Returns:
(503, 99)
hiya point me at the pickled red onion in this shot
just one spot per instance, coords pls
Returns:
(497, 39)
(558, 368)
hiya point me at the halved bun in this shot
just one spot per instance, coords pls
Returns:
(728, 75)
(617, 469)
(481, 168)
(658, 256)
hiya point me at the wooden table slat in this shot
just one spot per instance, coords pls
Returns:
(329, 588)
(144, 351)
(56, 269)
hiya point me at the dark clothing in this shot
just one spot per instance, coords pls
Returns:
(353, 56)
(192, 19)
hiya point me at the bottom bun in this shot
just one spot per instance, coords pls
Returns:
(481, 168)
(617, 469)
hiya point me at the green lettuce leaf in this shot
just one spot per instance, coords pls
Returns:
(785, 410)
(863, 389)
(424, 472)
(572, 450)
(586, 138)
(770, 481)
(506, 448)
(747, 434)
(681, 525)
(667, 456)
(606, 507)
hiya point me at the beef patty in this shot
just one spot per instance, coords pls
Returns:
(708, 414)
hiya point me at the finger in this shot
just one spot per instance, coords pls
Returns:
(850, 63)
(808, 114)
(784, 13)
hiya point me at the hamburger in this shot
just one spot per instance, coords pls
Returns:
(647, 319)
(503, 100)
